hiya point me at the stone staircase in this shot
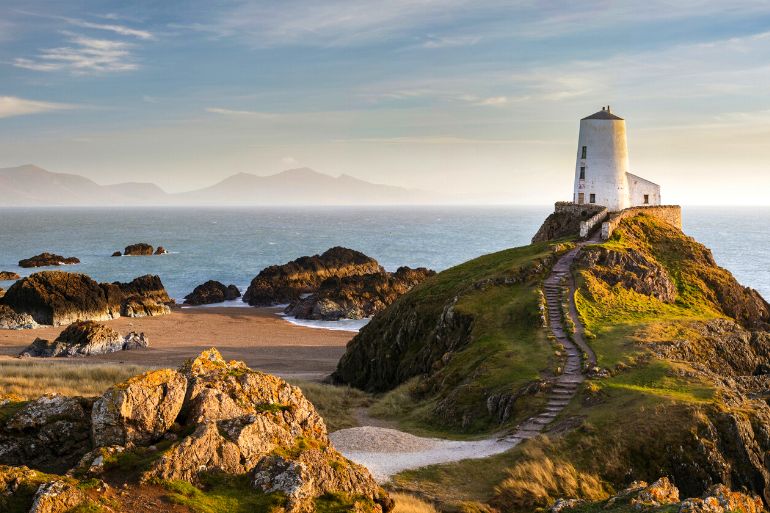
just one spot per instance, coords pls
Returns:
(565, 385)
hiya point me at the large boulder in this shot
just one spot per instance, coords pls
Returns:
(140, 410)
(282, 284)
(212, 292)
(59, 496)
(50, 433)
(57, 298)
(357, 296)
(8, 276)
(140, 249)
(47, 259)
(85, 338)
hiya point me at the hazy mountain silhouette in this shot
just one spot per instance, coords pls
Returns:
(30, 185)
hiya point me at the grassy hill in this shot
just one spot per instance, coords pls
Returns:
(684, 350)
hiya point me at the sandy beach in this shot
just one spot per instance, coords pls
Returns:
(256, 335)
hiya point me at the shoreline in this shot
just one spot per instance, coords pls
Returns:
(258, 336)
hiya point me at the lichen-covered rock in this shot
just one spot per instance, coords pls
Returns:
(8, 276)
(140, 410)
(92, 463)
(47, 259)
(720, 499)
(281, 284)
(212, 292)
(57, 496)
(140, 249)
(85, 338)
(659, 493)
(357, 296)
(11, 320)
(315, 473)
(564, 505)
(50, 433)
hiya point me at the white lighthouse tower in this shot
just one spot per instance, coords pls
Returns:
(601, 169)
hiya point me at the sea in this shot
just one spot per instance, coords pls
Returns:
(232, 245)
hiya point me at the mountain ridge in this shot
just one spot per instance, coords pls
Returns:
(29, 185)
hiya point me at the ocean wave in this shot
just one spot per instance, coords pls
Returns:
(353, 325)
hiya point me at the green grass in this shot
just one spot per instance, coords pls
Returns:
(336, 404)
(222, 494)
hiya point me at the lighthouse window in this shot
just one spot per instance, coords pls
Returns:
(583, 152)
(592, 198)
(582, 172)
(646, 199)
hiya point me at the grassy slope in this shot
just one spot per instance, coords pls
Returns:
(626, 423)
(507, 349)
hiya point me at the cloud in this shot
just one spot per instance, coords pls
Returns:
(241, 113)
(449, 42)
(86, 55)
(289, 161)
(118, 29)
(494, 101)
(11, 106)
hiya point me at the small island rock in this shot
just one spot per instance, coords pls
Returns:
(8, 276)
(161, 251)
(212, 292)
(140, 249)
(47, 259)
(117, 254)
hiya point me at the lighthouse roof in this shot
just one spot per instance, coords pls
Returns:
(604, 114)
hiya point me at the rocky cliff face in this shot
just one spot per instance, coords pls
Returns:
(59, 298)
(282, 284)
(210, 417)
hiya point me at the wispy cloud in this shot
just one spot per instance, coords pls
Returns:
(118, 29)
(85, 55)
(451, 41)
(11, 106)
(241, 113)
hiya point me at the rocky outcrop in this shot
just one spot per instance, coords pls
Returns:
(212, 292)
(140, 410)
(58, 496)
(140, 249)
(117, 254)
(47, 259)
(51, 433)
(161, 251)
(10, 320)
(357, 296)
(282, 284)
(8, 276)
(85, 338)
(565, 221)
(59, 298)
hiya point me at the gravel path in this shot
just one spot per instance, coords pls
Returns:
(386, 451)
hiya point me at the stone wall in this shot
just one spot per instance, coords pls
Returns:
(587, 226)
(671, 214)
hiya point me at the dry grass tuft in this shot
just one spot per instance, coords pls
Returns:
(410, 504)
(31, 379)
(539, 480)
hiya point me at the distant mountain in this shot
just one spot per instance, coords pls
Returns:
(33, 186)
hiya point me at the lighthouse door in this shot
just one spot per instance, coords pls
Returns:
(581, 198)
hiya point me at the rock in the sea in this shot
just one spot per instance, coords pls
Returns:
(47, 259)
(59, 298)
(357, 296)
(117, 254)
(8, 276)
(212, 292)
(140, 410)
(140, 249)
(161, 251)
(10, 320)
(51, 433)
(282, 284)
(85, 338)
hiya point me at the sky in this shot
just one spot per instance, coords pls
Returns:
(477, 100)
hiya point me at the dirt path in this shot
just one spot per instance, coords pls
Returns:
(386, 451)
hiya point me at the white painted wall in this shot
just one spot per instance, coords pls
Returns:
(638, 187)
(606, 163)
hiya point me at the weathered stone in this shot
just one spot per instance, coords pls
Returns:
(92, 463)
(56, 497)
(10, 320)
(47, 259)
(140, 410)
(50, 433)
(161, 251)
(281, 284)
(140, 249)
(8, 276)
(212, 292)
(85, 338)
(117, 254)
(659, 493)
